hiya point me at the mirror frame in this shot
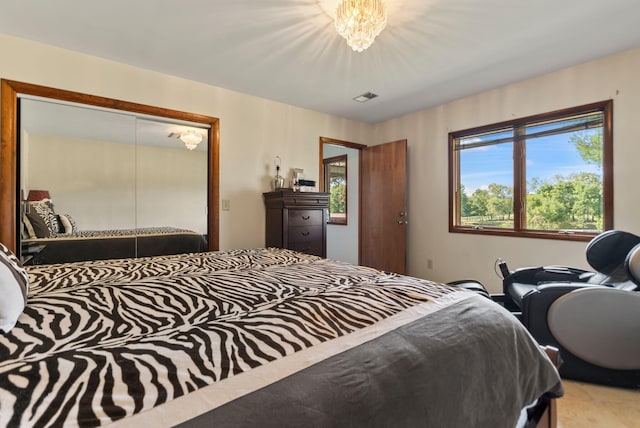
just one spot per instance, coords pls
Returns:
(9, 186)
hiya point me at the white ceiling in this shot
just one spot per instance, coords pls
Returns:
(432, 51)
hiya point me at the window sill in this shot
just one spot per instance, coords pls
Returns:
(557, 235)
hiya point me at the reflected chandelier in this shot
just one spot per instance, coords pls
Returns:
(191, 139)
(360, 21)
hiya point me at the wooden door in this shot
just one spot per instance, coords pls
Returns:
(383, 207)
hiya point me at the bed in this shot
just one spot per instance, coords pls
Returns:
(262, 337)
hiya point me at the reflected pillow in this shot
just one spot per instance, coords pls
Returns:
(14, 285)
(36, 223)
(27, 231)
(43, 220)
(67, 224)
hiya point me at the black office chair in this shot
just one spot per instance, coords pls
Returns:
(592, 317)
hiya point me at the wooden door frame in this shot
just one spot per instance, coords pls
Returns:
(350, 145)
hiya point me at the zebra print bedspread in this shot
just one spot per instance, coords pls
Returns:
(100, 341)
(120, 340)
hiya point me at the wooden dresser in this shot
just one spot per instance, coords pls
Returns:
(297, 221)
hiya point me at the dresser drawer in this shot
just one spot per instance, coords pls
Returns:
(306, 217)
(306, 200)
(314, 248)
(305, 233)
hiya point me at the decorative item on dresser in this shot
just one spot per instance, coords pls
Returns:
(297, 221)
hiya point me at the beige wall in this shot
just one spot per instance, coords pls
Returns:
(92, 181)
(171, 188)
(252, 130)
(460, 256)
(106, 185)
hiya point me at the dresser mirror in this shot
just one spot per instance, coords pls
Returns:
(119, 179)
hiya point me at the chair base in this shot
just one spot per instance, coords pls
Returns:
(577, 369)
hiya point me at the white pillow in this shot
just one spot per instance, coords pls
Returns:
(14, 285)
(68, 224)
(67, 227)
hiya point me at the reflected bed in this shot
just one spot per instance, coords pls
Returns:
(49, 238)
(113, 244)
(264, 337)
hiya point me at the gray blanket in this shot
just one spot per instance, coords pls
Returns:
(468, 365)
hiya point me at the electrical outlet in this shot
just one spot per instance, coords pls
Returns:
(429, 264)
(226, 205)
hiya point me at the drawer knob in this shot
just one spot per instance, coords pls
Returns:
(305, 233)
(306, 217)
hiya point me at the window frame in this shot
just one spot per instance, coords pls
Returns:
(519, 174)
(326, 163)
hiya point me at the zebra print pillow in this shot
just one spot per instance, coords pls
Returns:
(43, 219)
(14, 285)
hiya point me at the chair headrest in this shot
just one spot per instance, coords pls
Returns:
(607, 254)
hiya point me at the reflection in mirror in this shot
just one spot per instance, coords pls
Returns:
(171, 176)
(335, 176)
(117, 184)
(84, 158)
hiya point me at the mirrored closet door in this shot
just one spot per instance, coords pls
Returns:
(96, 182)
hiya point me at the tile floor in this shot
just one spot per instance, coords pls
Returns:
(586, 405)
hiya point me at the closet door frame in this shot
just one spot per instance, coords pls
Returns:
(9, 150)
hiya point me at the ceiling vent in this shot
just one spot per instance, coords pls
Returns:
(363, 98)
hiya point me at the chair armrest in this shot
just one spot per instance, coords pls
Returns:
(545, 274)
(560, 288)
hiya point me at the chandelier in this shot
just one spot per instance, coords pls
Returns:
(360, 21)
(191, 139)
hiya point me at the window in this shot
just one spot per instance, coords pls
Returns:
(335, 182)
(547, 176)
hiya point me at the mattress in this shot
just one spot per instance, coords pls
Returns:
(261, 337)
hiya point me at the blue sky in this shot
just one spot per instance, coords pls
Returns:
(546, 157)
